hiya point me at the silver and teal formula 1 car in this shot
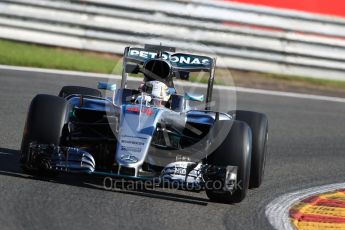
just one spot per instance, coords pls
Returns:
(122, 132)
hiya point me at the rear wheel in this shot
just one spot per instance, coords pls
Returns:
(69, 90)
(44, 124)
(235, 150)
(258, 123)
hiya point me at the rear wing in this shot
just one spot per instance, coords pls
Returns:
(180, 62)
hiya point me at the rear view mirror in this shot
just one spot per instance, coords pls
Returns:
(184, 75)
(194, 97)
(132, 68)
(106, 86)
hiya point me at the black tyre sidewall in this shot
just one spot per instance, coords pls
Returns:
(45, 120)
(258, 123)
(69, 90)
(236, 151)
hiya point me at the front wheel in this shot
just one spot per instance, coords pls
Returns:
(44, 124)
(70, 90)
(235, 150)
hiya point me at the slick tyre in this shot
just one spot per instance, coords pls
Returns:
(235, 150)
(258, 123)
(44, 124)
(69, 90)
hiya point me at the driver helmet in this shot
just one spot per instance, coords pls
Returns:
(158, 90)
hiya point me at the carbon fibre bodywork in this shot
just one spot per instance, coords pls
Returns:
(141, 134)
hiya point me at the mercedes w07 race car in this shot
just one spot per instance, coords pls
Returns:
(150, 132)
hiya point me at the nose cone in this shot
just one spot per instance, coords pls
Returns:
(137, 126)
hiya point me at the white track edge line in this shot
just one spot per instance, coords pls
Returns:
(277, 211)
(231, 88)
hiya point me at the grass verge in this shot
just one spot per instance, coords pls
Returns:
(24, 54)
(307, 80)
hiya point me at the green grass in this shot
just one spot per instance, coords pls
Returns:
(308, 80)
(22, 54)
(203, 77)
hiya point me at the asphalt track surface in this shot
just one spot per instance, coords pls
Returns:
(306, 149)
